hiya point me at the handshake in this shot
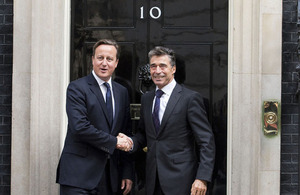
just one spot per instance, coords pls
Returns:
(124, 142)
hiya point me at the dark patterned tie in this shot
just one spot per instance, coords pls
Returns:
(109, 103)
(155, 114)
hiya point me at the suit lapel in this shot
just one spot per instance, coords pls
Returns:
(148, 109)
(97, 91)
(175, 96)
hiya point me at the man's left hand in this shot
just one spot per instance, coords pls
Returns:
(199, 187)
(126, 184)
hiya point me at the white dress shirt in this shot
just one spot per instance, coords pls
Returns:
(168, 89)
(104, 90)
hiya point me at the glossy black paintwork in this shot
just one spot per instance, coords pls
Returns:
(196, 30)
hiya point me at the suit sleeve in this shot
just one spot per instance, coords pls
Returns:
(139, 139)
(204, 137)
(126, 158)
(80, 125)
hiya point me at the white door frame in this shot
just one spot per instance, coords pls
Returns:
(41, 74)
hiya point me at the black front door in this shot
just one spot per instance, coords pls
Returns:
(195, 29)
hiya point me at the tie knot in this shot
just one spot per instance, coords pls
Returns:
(107, 85)
(159, 93)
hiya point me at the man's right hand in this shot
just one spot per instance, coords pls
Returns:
(124, 142)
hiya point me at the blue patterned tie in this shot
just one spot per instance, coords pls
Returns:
(155, 114)
(109, 103)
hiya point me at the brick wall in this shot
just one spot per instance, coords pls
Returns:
(290, 109)
(6, 41)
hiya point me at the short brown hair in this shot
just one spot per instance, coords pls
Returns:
(107, 42)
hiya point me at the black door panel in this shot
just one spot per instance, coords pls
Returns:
(195, 29)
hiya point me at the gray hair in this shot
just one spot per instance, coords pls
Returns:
(160, 51)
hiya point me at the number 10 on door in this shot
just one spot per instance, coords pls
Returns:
(154, 12)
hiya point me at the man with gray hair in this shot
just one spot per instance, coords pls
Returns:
(174, 127)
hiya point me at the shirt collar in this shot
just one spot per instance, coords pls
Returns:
(100, 81)
(169, 87)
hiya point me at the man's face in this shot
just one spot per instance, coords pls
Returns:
(162, 73)
(105, 61)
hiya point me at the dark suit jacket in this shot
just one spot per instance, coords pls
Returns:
(172, 152)
(90, 140)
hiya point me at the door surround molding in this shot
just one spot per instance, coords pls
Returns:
(254, 75)
(41, 75)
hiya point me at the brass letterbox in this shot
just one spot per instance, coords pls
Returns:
(135, 111)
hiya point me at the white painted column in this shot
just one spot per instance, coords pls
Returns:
(21, 92)
(270, 56)
(254, 76)
(40, 76)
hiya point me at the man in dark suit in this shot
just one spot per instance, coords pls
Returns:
(97, 109)
(176, 131)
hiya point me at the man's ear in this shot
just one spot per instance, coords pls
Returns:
(174, 69)
(117, 62)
